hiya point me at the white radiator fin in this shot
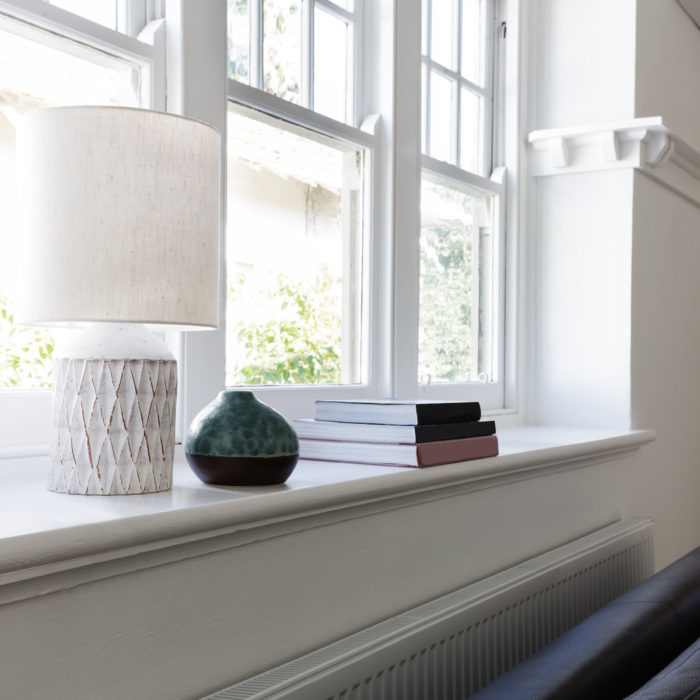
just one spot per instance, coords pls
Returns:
(451, 647)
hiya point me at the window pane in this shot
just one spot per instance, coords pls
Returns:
(38, 69)
(330, 65)
(442, 33)
(282, 48)
(294, 262)
(442, 95)
(102, 12)
(239, 40)
(455, 312)
(473, 32)
(472, 136)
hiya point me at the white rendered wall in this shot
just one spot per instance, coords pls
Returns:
(665, 483)
(668, 67)
(583, 250)
(665, 369)
(584, 52)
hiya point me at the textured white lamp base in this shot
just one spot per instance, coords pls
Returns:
(114, 426)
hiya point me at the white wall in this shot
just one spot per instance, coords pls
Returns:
(668, 66)
(617, 253)
(665, 482)
(583, 244)
(665, 369)
(584, 52)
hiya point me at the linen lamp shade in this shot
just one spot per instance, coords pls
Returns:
(121, 217)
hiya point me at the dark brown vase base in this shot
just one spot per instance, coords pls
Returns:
(242, 471)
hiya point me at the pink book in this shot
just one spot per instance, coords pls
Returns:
(426, 454)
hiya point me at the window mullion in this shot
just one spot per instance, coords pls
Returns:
(489, 31)
(353, 115)
(256, 43)
(428, 15)
(406, 199)
(457, 112)
(307, 53)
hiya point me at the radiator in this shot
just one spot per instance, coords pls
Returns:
(454, 645)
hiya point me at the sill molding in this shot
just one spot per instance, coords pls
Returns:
(646, 144)
(38, 563)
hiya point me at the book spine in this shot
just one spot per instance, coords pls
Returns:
(431, 454)
(453, 431)
(427, 413)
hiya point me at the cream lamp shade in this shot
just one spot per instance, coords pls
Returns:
(121, 218)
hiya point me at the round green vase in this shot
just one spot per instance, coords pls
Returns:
(237, 440)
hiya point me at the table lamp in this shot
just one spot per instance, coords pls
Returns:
(120, 225)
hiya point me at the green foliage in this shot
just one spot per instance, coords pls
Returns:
(445, 303)
(299, 340)
(26, 353)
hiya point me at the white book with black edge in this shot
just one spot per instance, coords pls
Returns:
(397, 411)
(377, 432)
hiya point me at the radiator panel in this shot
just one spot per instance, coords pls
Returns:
(451, 647)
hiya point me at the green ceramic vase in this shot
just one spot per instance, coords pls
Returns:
(237, 440)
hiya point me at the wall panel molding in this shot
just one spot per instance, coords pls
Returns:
(646, 144)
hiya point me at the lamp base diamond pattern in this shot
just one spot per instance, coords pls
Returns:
(113, 426)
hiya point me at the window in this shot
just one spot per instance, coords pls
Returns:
(298, 219)
(300, 260)
(365, 248)
(45, 61)
(295, 254)
(299, 50)
(461, 238)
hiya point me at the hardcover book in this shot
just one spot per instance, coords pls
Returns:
(376, 432)
(398, 412)
(427, 454)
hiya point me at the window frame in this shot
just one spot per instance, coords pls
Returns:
(394, 355)
(256, 52)
(389, 58)
(499, 395)
(299, 400)
(490, 22)
(390, 41)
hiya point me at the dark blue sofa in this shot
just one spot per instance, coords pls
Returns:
(643, 645)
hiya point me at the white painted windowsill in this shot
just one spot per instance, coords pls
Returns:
(50, 541)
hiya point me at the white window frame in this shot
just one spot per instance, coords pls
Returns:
(391, 55)
(28, 412)
(491, 22)
(389, 59)
(299, 400)
(256, 50)
(498, 395)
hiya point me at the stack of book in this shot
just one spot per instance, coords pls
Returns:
(397, 433)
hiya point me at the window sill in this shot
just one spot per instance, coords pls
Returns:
(51, 542)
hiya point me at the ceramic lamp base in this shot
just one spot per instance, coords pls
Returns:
(113, 426)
